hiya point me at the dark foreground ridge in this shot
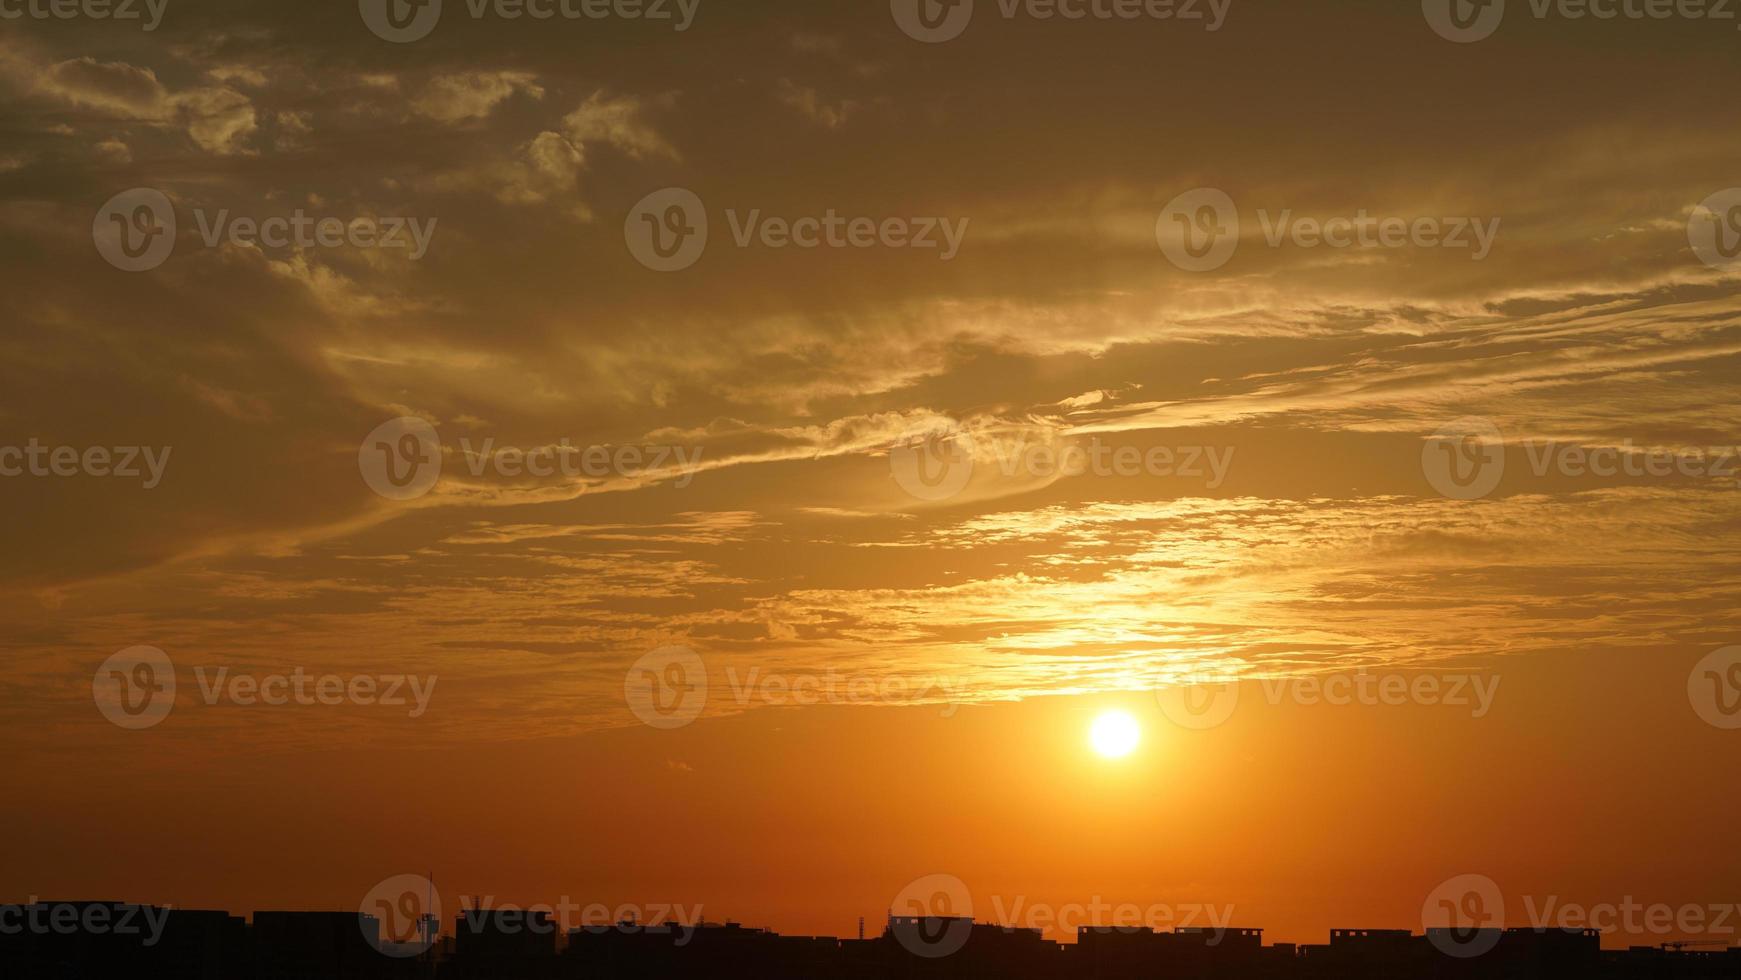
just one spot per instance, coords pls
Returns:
(113, 941)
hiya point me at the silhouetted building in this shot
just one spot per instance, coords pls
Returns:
(56, 940)
(944, 946)
(1121, 951)
(318, 946)
(492, 943)
(631, 950)
(205, 945)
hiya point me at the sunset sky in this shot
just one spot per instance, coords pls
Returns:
(769, 525)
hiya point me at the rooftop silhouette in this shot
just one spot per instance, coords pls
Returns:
(65, 940)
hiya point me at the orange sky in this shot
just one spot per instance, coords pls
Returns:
(1296, 530)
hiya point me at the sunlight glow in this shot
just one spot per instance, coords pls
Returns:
(1114, 734)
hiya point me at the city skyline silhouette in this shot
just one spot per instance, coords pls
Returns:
(60, 941)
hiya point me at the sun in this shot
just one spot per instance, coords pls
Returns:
(1114, 734)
